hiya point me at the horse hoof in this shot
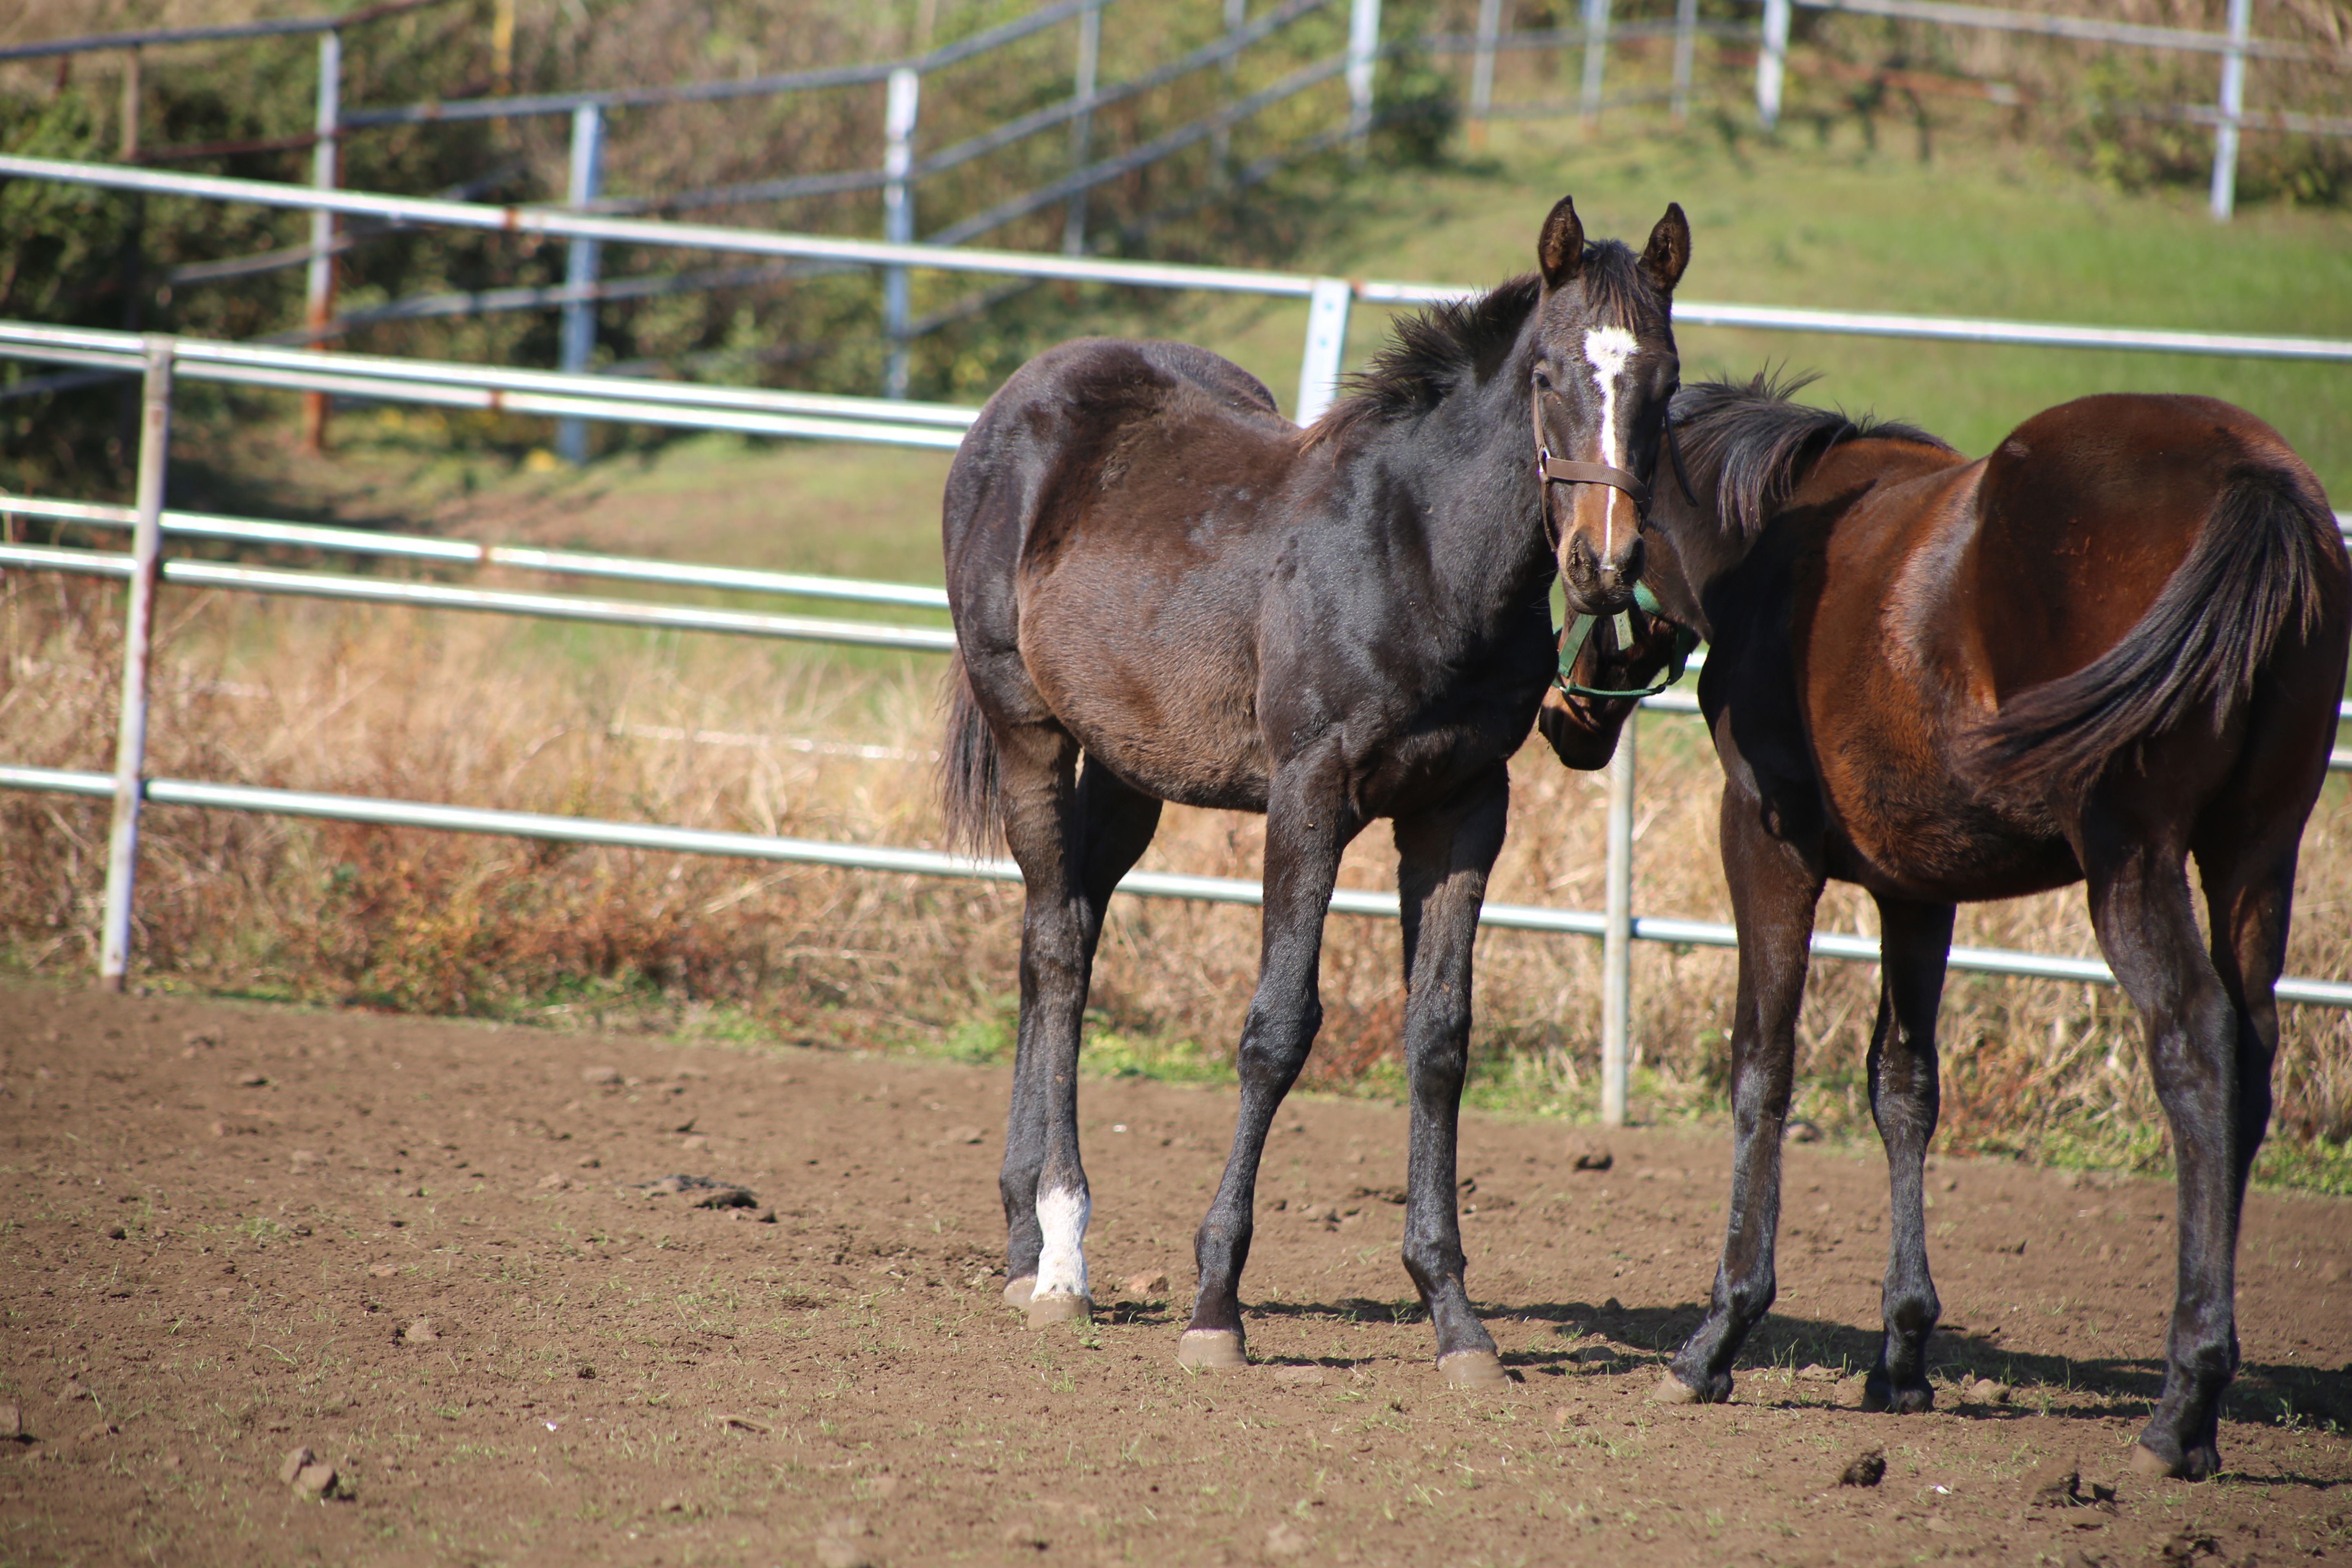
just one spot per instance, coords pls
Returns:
(1473, 1369)
(2146, 1461)
(1059, 1308)
(1881, 1397)
(1212, 1349)
(1018, 1291)
(1673, 1390)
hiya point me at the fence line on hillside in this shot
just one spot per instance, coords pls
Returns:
(147, 572)
(901, 172)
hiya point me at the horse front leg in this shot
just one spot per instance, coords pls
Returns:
(1443, 858)
(1775, 886)
(2147, 930)
(1309, 824)
(1914, 942)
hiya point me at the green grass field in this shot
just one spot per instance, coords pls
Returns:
(1988, 228)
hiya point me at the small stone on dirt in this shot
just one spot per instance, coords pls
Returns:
(1814, 1372)
(116, 1233)
(587, 1163)
(252, 1080)
(833, 1551)
(12, 1424)
(315, 1481)
(1985, 1391)
(554, 1182)
(1802, 1131)
(694, 1144)
(2057, 1485)
(1593, 1157)
(1318, 1214)
(1284, 1539)
(1868, 1468)
(603, 1078)
(966, 1134)
(419, 1333)
(1298, 1376)
(1147, 1285)
(295, 1461)
(740, 1423)
(726, 1199)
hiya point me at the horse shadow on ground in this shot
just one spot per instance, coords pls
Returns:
(1610, 1340)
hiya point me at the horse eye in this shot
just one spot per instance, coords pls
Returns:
(1543, 381)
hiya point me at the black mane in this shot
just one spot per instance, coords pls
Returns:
(1431, 353)
(1759, 443)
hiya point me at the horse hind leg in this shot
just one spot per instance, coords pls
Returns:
(1915, 941)
(1072, 857)
(2147, 930)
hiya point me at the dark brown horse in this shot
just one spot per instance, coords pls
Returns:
(1150, 567)
(2115, 643)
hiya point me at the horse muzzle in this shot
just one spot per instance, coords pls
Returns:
(1600, 584)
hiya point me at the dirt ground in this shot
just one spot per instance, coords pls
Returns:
(426, 1251)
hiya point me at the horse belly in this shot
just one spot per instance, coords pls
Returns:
(1942, 844)
(1166, 700)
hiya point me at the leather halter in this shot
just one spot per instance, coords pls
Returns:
(1560, 470)
(1556, 470)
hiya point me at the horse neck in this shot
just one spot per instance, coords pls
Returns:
(1464, 475)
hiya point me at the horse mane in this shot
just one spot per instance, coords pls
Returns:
(1436, 351)
(1761, 443)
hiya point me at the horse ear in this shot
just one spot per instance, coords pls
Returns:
(1561, 252)
(1669, 250)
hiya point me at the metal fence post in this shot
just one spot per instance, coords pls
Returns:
(2233, 104)
(1363, 54)
(1596, 59)
(1686, 37)
(1482, 71)
(133, 91)
(898, 216)
(319, 298)
(580, 260)
(1772, 62)
(1221, 139)
(138, 645)
(1082, 128)
(1617, 937)
(1327, 346)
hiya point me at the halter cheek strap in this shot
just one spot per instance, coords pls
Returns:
(1550, 469)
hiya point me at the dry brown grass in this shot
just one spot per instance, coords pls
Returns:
(699, 731)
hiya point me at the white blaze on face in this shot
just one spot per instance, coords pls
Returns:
(1608, 349)
(1061, 1262)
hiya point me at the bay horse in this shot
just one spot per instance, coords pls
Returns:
(2115, 643)
(1149, 566)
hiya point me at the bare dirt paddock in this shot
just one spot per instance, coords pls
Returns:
(424, 1251)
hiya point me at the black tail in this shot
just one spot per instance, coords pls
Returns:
(968, 777)
(2255, 572)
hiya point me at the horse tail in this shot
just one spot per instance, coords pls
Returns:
(2258, 570)
(968, 768)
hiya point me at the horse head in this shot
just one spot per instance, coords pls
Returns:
(1604, 371)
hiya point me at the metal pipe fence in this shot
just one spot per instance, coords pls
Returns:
(146, 569)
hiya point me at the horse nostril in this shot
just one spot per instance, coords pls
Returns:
(1629, 565)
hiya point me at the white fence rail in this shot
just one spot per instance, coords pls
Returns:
(147, 572)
